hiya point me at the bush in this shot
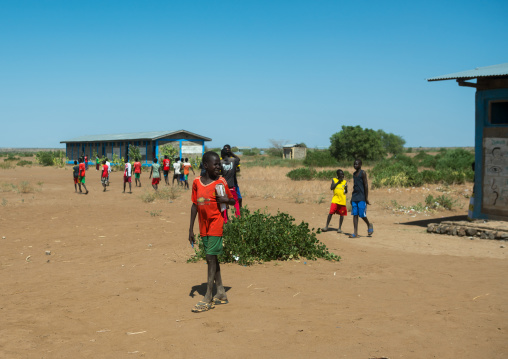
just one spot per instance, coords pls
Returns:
(395, 174)
(256, 237)
(303, 173)
(457, 159)
(11, 157)
(23, 163)
(320, 158)
(441, 201)
(329, 174)
(50, 158)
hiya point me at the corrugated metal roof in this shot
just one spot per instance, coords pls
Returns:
(154, 135)
(487, 71)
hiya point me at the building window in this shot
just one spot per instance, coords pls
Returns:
(498, 112)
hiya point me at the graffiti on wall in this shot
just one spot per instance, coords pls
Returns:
(495, 174)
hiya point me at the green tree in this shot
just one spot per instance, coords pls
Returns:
(168, 150)
(392, 143)
(134, 153)
(354, 142)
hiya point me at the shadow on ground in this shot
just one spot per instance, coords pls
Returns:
(425, 222)
(201, 289)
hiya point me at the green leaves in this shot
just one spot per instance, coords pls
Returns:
(261, 237)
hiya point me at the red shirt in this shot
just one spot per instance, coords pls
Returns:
(165, 163)
(137, 167)
(82, 170)
(104, 171)
(211, 222)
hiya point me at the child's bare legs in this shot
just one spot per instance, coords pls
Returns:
(75, 187)
(340, 224)
(104, 185)
(85, 188)
(355, 224)
(327, 222)
(79, 184)
(214, 276)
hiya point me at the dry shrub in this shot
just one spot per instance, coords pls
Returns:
(26, 187)
(164, 193)
(8, 187)
(7, 165)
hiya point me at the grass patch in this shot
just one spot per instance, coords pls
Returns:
(25, 187)
(23, 163)
(164, 193)
(155, 213)
(7, 165)
(260, 237)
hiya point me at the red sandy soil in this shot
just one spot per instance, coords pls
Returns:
(116, 283)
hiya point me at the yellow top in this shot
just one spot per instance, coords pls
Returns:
(339, 196)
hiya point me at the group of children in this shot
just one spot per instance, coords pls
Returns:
(215, 189)
(359, 200)
(79, 172)
(181, 169)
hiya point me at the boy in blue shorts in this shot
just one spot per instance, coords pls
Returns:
(338, 206)
(360, 199)
(208, 193)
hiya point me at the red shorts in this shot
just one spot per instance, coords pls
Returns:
(127, 179)
(76, 180)
(338, 209)
(155, 180)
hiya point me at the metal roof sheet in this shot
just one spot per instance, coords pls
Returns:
(487, 71)
(132, 136)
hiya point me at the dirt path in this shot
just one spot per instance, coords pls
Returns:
(117, 285)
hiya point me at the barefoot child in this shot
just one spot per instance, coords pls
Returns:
(165, 167)
(155, 171)
(186, 171)
(338, 206)
(206, 204)
(360, 199)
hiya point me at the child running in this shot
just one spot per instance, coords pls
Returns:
(127, 177)
(338, 206)
(186, 170)
(81, 178)
(155, 171)
(205, 204)
(104, 175)
(360, 199)
(75, 174)
(137, 172)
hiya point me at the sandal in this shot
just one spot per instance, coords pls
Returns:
(353, 236)
(218, 301)
(370, 231)
(202, 307)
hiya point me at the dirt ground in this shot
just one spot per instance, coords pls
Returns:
(116, 283)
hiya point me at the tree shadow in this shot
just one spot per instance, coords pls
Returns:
(201, 290)
(426, 222)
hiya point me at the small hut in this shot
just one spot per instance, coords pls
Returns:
(491, 138)
(294, 152)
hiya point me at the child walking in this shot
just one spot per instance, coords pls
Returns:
(338, 206)
(155, 171)
(81, 178)
(75, 174)
(360, 199)
(127, 177)
(137, 172)
(104, 175)
(206, 203)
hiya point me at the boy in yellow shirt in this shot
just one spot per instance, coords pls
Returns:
(338, 206)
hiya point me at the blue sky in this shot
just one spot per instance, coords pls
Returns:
(243, 72)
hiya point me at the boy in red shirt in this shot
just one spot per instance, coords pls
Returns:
(165, 167)
(206, 202)
(137, 172)
(81, 178)
(104, 175)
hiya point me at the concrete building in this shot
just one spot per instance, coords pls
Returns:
(294, 152)
(188, 144)
(491, 138)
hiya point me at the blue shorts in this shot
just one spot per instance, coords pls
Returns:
(359, 209)
(238, 192)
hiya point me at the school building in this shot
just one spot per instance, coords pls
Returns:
(491, 138)
(188, 144)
